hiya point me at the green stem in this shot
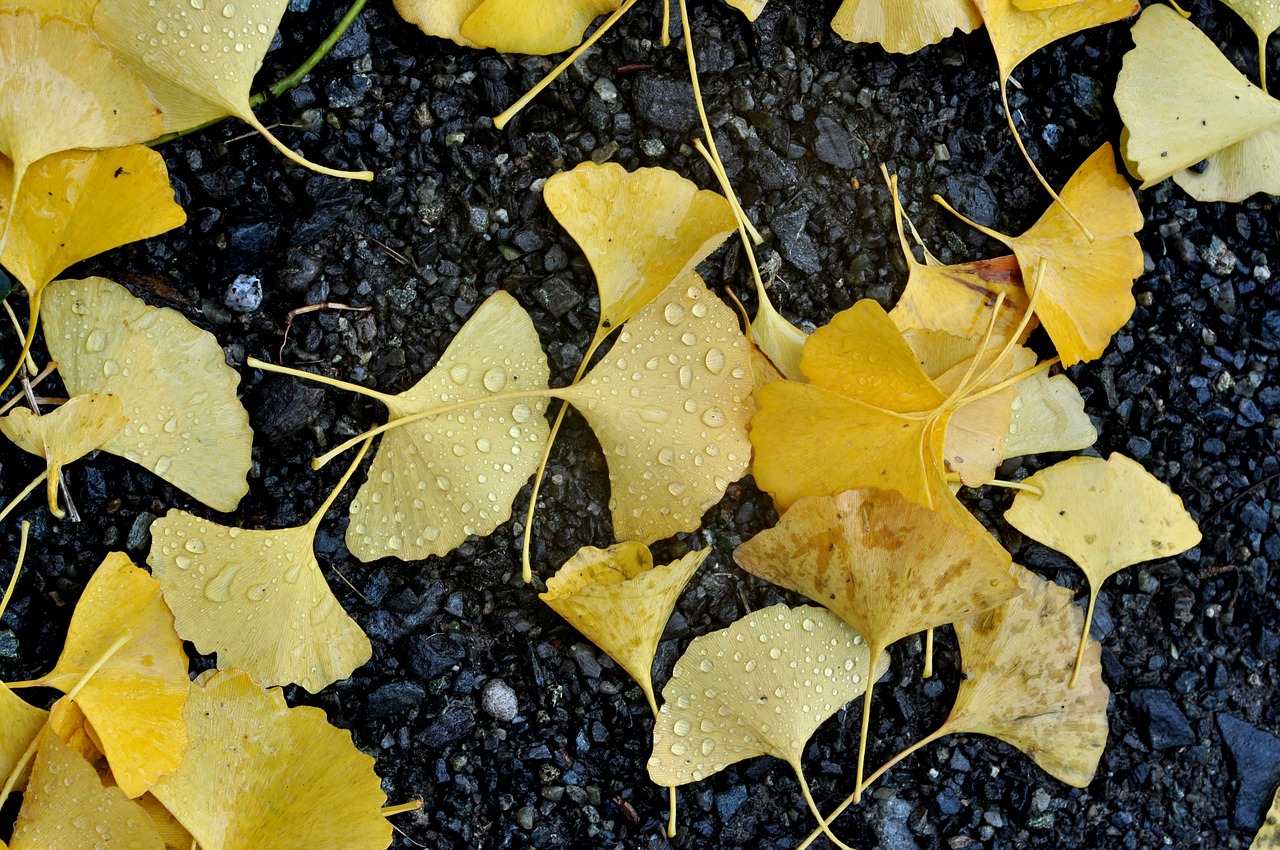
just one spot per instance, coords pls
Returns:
(283, 84)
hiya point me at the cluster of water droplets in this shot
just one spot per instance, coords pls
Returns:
(188, 33)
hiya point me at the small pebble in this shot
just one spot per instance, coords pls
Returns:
(244, 295)
(499, 701)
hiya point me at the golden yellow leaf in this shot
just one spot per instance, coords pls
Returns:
(904, 26)
(1105, 515)
(67, 807)
(20, 723)
(750, 8)
(778, 340)
(1014, 683)
(621, 602)
(68, 722)
(1268, 836)
(762, 686)
(441, 18)
(198, 58)
(1263, 17)
(186, 423)
(61, 88)
(1041, 5)
(76, 11)
(77, 204)
(1216, 115)
(668, 404)
(1048, 416)
(65, 434)
(1016, 32)
(257, 598)
(262, 776)
(172, 834)
(866, 555)
(1086, 290)
(437, 480)
(639, 230)
(548, 26)
(958, 298)
(135, 698)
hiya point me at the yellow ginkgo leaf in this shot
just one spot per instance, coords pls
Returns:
(76, 11)
(77, 204)
(1014, 682)
(20, 723)
(262, 776)
(762, 686)
(668, 404)
(640, 230)
(69, 723)
(65, 434)
(1105, 515)
(66, 806)
(865, 554)
(1048, 416)
(438, 479)
(1268, 835)
(1216, 112)
(198, 58)
(1016, 33)
(186, 423)
(904, 26)
(172, 834)
(621, 602)
(548, 26)
(778, 339)
(1085, 293)
(750, 8)
(257, 598)
(1263, 17)
(124, 656)
(441, 18)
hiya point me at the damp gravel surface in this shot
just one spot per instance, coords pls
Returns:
(513, 731)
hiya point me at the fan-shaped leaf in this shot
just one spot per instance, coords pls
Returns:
(1263, 17)
(186, 423)
(1017, 32)
(517, 26)
(441, 18)
(668, 406)
(20, 722)
(1048, 416)
(750, 8)
(439, 479)
(135, 699)
(904, 26)
(262, 776)
(65, 434)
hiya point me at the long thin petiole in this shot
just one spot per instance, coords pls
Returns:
(1042, 366)
(671, 795)
(952, 478)
(49, 369)
(17, 568)
(866, 718)
(928, 654)
(323, 460)
(26, 491)
(411, 806)
(17, 326)
(511, 111)
(1022, 325)
(115, 647)
(743, 222)
(19, 766)
(823, 828)
(314, 522)
(1084, 637)
(255, 363)
(34, 310)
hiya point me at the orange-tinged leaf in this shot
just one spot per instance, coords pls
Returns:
(753, 689)
(20, 722)
(548, 26)
(262, 776)
(61, 88)
(65, 434)
(199, 59)
(621, 602)
(904, 26)
(78, 204)
(257, 598)
(437, 480)
(135, 699)
(958, 298)
(67, 807)
(668, 404)
(866, 555)
(1015, 682)
(76, 11)
(639, 230)
(186, 423)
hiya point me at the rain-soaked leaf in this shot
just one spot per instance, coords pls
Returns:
(1263, 17)
(621, 602)
(78, 204)
(262, 776)
(885, 566)
(65, 434)
(1048, 416)
(20, 722)
(135, 699)
(198, 58)
(1105, 515)
(67, 807)
(257, 598)
(668, 404)
(639, 230)
(186, 423)
(518, 26)
(778, 339)
(762, 686)
(904, 26)
(437, 480)
(1086, 290)
(172, 833)
(1215, 114)
(1014, 683)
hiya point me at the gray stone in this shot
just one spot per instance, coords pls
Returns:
(1255, 762)
(393, 698)
(244, 294)
(833, 143)
(1166, 726)
(499, 701)
(667, 104)
(796, 245)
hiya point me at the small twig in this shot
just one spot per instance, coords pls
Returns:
(48, 370)
(254, 133)
(311, 308)
(393, 253)
(1238, 496)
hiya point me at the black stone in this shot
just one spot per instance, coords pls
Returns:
(1255, 762)
(1166, 726)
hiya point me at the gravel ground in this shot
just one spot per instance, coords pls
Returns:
(478, 699)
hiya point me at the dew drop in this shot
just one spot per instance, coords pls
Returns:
(682, 727)
(431, 533)
(96, 341)
(706, 665)
(110, 367)
(162, 464)
(686, 377)
(495, 379)
(678, 748)
(713, 417)
(182, 562)
(673, 313)
(229, 10)
(219, 587)
(715, 361)
(521, 412)
(256, 592)
(708, 746)
(654, 415)
(195, 546)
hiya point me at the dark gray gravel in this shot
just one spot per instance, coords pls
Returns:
(803, 122)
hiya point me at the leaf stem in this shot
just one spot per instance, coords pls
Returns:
(1084, 637)
(115, 647)
(12, 780)
(283, 84)
(501, 121)
(255, 363)
(314, 523)
(17, 568)
(824, 827)
(26, 491)
(411, 806)
(928, 654)
(874, 651)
